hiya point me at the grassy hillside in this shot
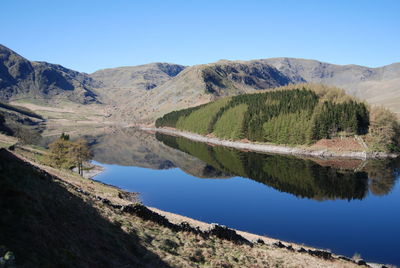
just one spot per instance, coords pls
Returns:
(21, 123)
(286, 116)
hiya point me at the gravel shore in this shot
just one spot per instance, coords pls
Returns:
(269, 148)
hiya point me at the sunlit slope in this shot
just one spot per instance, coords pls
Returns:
(284, 116)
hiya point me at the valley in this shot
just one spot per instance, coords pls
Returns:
(145, 180)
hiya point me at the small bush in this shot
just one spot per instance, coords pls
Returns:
(384, 131)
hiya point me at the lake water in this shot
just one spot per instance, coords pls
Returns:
(347, 206)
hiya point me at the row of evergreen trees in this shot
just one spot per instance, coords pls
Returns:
(296, 116)
(330, 119)
(266, 106)
(170, 119)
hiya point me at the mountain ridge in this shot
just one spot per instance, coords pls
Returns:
(139, 94)
(21, 78)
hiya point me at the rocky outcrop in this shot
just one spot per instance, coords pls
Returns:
(217, 230)
(225, 233)
(225, 78)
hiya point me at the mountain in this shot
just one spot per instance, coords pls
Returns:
(377, 86)
(140, 94)
(142, 77)
(123, 88)
(24, 79)
(201, 84)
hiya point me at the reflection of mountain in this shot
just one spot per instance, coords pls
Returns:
(303, 178)
(131, 147)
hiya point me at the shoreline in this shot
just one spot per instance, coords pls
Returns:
(178, 220)
(269, 148)
(202, 225)
(121, 199)
(253, 238)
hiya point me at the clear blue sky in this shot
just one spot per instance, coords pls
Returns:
(89, 35)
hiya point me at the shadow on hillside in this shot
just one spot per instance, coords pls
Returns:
(47, 226)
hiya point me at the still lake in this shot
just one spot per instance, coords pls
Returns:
(347, 206)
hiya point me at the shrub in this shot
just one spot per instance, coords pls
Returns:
(384, 131)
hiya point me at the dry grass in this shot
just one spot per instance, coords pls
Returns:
(6, 141)
(181, 249)
(69, 116)
(347, 144)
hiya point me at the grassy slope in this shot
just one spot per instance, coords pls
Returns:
(46, 224)
(46, 221)
(20, 122)
(21, 110)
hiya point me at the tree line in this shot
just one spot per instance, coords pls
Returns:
(293, 115)
(287, 116)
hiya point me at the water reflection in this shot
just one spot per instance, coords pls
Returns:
(281, 199)
(132, 147)
(306, 178)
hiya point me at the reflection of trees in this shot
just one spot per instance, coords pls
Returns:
(383, 175)
(303, 178)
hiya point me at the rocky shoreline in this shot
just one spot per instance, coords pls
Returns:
(126, 203)
(269, 148)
